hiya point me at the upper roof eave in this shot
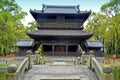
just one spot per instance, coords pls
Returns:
(40, 12)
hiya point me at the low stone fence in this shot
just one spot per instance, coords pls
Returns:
(15, 73)
(103, 73)
(95, 66)
(23, 66)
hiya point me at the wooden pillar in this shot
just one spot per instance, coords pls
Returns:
(53, 48)
(66, 50)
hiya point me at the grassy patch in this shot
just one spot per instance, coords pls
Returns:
(4, 65)
(2, 75)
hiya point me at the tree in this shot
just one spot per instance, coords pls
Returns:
(32, 26)
(10, 22)
(96, 23)
(111, 8)
(106, 26)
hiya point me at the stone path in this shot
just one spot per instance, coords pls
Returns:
(59, 72)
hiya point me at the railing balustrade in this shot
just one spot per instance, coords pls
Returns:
(53, 23)
(18, 75)
(100, 71)
(94, 65)
(97, 68)
(22, 67)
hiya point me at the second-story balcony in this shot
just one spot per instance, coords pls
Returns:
(60, 24)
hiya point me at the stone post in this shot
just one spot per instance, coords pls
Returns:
(83, 58)
(91, 54)
(78, 61)
(28, 54)
(11, 72)
(36, 57)
(107, 73)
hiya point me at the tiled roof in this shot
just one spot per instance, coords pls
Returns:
(60, 9)
(60, 33)
(25, 43)
(94, 43)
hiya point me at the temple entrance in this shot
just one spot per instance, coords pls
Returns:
(59, 50)
(56, 49)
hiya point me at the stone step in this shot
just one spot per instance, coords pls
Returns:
(60, 77)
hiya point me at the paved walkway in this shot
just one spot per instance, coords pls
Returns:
(59, 72)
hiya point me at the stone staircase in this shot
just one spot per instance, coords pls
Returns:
(60, 77)
(60, 69)
(46, 72)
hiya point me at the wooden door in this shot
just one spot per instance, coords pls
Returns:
(59, 50)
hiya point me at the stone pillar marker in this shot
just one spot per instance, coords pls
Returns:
(83, 58)
(107, 73)
(28, 54)
(36, 57)
(78, 60)
(83, 52)
(11, 72)
(91, 54)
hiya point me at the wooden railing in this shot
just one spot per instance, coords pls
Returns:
(53, 23)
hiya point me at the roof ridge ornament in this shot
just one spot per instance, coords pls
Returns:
(78, 8)
(44, 7)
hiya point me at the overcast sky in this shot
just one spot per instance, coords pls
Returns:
(26, 5)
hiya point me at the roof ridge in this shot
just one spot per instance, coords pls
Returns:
(60, 5)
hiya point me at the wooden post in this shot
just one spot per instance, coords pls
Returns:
(53, 48)
(66, 50)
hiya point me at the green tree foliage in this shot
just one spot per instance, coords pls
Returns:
(11, 28)
(32, 26)
(95, 24)
(106, 26)
(112, 8)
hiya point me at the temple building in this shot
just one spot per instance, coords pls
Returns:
(60, 32)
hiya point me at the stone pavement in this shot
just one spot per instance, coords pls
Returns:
(59, 72)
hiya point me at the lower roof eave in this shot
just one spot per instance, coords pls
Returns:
(60, 37)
